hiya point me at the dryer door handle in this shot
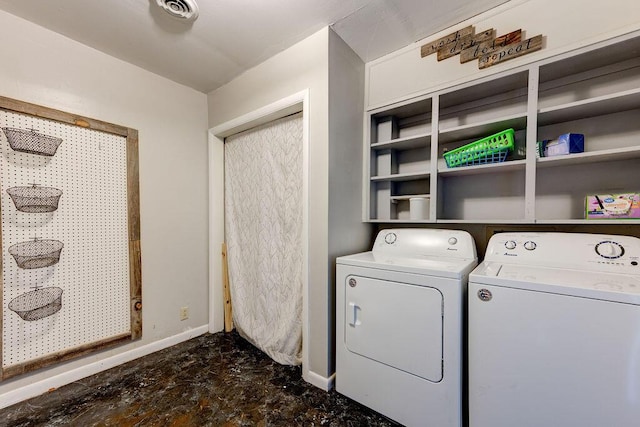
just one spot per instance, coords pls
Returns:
(354, 309)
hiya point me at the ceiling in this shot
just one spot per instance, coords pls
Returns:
(232, 36)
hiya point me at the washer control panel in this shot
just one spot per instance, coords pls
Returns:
(528, 245)
(594, 252)
(609, 249)
(510, 244)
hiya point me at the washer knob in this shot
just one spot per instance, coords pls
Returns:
(530, 245)
(390, 238)
(510, 244)
(609, 250)
(452, 240)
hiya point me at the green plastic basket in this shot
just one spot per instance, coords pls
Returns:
(492, 149)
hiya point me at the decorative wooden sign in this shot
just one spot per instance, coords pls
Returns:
(511, 51)
(436, 45)
(469, 41)
(486, 47)
(483, 46)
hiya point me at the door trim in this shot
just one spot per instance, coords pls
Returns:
(298, 102)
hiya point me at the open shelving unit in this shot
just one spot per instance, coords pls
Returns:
(594, 91)
(400, 159)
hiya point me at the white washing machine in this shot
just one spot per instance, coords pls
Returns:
(399, 322)
(554, 332)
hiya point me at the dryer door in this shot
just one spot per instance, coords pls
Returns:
(394, 323)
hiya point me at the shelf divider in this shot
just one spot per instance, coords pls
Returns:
(598, 106)
(483, 129)
(406, 143)
(590, 157)
(480, 169)
(401, 176)
(629, 221)
(410, 196)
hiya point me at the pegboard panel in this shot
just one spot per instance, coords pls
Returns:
(90, 168)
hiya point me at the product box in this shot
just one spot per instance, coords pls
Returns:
(613, 206)
(565, 144)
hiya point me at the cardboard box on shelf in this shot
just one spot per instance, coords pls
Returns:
(567, 143)
(613, 206)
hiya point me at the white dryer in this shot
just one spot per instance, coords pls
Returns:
(399, 325)
(554, 332)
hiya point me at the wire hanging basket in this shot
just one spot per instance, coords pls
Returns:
(36, 253)
(35, 199)
(30, 141)
(38, 304)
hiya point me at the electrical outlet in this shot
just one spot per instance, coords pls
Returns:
(184, 313)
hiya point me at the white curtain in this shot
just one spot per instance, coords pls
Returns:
(263, 227)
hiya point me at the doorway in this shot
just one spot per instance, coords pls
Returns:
(298, 102)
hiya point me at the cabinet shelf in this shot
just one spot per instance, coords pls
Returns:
(410, 142)
(482, 129)
(480, 169)
(591, 157)
(588, 221)
(598, 106)
(484, 221)
(401, 176)
(410, 196)
(402, 221)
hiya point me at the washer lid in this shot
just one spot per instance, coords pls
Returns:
(428, 266)
(604, 286)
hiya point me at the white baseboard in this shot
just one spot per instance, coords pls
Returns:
(39, 387)
(319, 381)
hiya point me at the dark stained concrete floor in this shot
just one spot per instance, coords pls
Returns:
(212, 380)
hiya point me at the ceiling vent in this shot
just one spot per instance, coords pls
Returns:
(184, 10)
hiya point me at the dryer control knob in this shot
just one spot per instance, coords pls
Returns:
(510, 244)
(530, 245)
(452, 240)
(390, 238)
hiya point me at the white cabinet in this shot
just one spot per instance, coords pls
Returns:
(594, 91)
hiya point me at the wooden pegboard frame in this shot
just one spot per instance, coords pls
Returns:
(133, 209)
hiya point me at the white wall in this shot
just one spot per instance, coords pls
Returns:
(304, 65)
(45, 68)
(325, 65)
(565, 25)
(347, 233)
